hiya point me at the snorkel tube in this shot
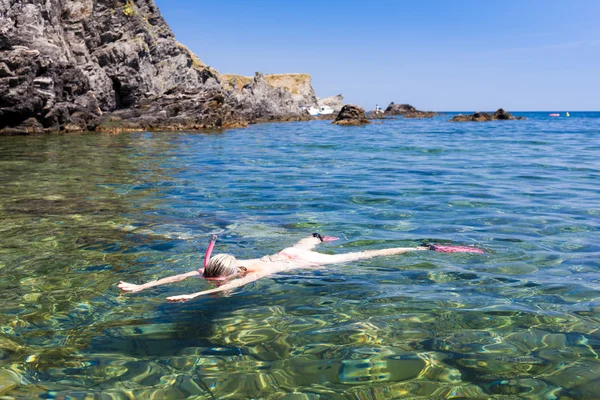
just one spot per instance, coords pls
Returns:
(211, 246)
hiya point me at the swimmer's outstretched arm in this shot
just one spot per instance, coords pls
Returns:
(133, 288)
(362, 255)
(228, 286)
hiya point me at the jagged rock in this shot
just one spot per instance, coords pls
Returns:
(73, 64)
(408, 111)
(483, 116)
(211, 108)
(501, 114)
(298, 85)
(334, 102)
(399, 109)
(478, 117)
(260, 101)
(351, 115)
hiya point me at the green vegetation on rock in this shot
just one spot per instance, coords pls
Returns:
(128, 9)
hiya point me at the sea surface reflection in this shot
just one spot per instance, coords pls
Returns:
(80, 213)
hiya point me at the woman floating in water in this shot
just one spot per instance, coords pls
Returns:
(236, 273)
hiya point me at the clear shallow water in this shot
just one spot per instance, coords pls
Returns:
(79, 213)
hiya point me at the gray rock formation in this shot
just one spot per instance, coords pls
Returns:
(399, 109)
(298, 85)
(499, 115)
(211, 107)
(351, 115)
(335, 102)
(408, 111)
(68, 65)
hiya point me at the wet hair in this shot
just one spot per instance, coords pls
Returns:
(222, 265)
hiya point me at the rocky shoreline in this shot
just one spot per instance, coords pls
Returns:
(109, 66)
(78, 65)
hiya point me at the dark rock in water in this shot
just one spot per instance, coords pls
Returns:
(420, 114)
(501, 114)
(483, 116)
(399, 109)
(478, 117)
(408, 111)
(351, 115)
(70, 65)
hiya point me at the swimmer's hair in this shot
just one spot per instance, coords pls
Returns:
(220, 265)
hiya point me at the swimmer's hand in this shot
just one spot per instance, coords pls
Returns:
(130, 287)
(330, 238)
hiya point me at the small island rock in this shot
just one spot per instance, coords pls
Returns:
(500, 114)
(408, 111)
(351, 115)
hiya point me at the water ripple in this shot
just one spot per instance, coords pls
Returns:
(82, 212)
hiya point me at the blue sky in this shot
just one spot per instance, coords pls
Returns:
(437, 55)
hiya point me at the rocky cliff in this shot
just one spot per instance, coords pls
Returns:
(299, 86)
(68, 65)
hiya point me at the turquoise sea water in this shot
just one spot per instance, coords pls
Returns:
(79, 213)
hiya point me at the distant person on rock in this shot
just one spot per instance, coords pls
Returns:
(233, 273)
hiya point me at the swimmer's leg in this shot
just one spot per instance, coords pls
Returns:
(360, 255)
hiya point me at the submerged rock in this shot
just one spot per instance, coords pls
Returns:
(500, 114)
(408, 111)
(351, 115)
(70, 65)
